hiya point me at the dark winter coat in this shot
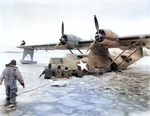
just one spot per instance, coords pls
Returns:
(48, 73)
(79, 73)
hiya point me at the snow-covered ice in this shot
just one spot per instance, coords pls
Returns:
(112, 94)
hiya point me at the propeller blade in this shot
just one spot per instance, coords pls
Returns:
(55, 46)
(62, 28)
(96, 24)
(110, 38)
(97, 28)
(90, 46)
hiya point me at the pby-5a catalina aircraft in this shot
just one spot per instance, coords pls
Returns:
(98, 55)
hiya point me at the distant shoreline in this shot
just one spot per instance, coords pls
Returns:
(10, 52)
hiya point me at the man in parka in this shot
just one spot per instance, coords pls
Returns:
(47, 72)
(10, 74)
(79, 72)
(66, 73)
(96, 71)
(58, 72)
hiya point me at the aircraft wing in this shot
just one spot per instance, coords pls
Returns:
(43, 46)
(123, 41)
(83, 44)
(127, 40)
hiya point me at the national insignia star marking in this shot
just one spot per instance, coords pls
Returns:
(82, 65)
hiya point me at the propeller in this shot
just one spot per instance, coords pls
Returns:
(63, 39)
(97, 28)
(100, 37)
(96, 24)
(110, 38)
(56, 46)
(90, 46)
(62, 29)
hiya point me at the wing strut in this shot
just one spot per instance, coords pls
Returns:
(70, 51)
(131, 53)
(79, 50)
(119, 55)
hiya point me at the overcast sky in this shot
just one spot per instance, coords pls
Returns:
(39, 21)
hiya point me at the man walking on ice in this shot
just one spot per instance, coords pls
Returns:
(10, 74)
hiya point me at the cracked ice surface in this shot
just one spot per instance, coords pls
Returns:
(43, 107)
(112, 94)
(71, 103)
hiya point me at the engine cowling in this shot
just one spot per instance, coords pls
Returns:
(100, 39)
(71, 39)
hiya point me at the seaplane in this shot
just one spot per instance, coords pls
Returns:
(97, 50)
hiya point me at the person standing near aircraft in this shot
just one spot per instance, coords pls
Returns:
(66, 73)
(10, 74)
(23, 43)
(58, 72)
(47, 72)
(101, 69)
(96, 71)
(79, 72)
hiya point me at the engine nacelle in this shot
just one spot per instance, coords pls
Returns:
(105, 42)
(72, 39)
